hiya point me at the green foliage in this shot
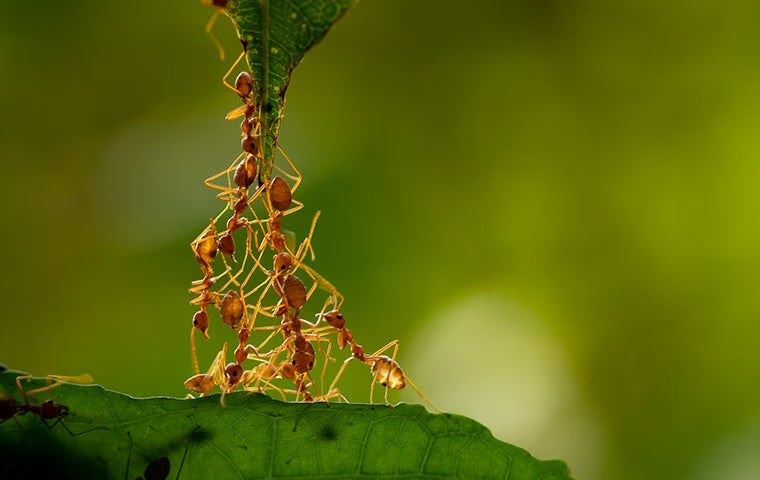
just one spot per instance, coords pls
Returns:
(277, 35)
(253, 436)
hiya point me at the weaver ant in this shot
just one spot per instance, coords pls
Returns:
(46, 411)
(385, 370)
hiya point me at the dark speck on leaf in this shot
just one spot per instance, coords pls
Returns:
(328, 433)
(268, 107)
(199, 435)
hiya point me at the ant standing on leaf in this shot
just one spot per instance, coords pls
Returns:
(47, 411)
(385, 370)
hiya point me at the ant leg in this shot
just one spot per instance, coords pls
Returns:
(268, 283)
(324, 369)
(209, 182)
(233, 278)
(19, 383)
(306, 245)
(393, 344)
(66, 427)
(210, 33)
(422, 395)
(298, 177)
(229, 72)
(194, 351)
(291, 210)
(336, 296)
(227, 267)
(340, 373)
(55, 382)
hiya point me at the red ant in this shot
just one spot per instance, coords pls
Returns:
(47, 411)
(385, 370)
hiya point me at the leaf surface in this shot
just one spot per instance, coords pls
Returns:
(253, 436)
(277, 34)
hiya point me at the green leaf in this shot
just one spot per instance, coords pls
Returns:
(277, 34)
(253, 436)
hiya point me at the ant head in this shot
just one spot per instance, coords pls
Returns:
(335, 319)
(233, 372)
(250, 145)
(227, 244)
(8, 407)
(283, 261)
(200, 321)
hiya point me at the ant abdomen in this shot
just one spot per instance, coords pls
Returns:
(205, 249)
(232, 308)
(388, 373)
(280, 195)
(294, 291)
(243, 83)
(246, 171)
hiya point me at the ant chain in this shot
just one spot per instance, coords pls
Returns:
(234, 252)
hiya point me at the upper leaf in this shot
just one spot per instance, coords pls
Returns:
(253, 437)
(276, 34)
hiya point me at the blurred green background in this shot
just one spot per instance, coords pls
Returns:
(553, 205)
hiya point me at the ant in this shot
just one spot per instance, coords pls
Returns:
(385, 370)
(48, 410)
